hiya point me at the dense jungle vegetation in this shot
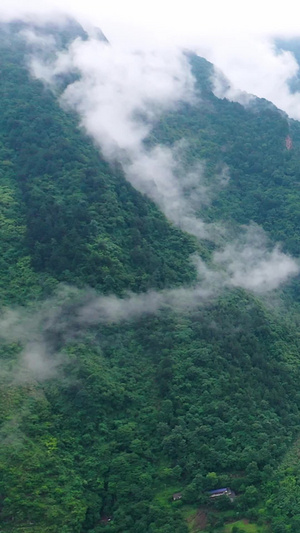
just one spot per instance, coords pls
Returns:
(173, 402)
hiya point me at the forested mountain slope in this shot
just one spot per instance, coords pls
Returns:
(84, 223)
(264, 174)
(121, 414)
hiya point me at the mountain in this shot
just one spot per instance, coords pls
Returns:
(118, 388)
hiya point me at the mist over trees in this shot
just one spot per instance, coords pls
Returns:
(147, 348)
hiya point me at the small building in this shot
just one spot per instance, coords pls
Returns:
(177, 496)
(226, 491)
(218, 492)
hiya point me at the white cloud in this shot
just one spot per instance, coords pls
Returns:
(40, 41)
(169, 22)
(119, 89)
(253, 65)
(237, 37)
(247, 263)
(250, 263)
(158, 173)
(36, 360)
(119, 96)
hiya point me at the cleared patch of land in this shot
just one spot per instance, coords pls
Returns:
(244, 526)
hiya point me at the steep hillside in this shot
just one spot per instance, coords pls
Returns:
(78, 220)
(251, 140)
(103, 420)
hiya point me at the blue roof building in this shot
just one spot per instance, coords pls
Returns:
(219, 491)
(226, 491)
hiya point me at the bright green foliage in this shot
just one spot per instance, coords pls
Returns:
(242, 526)
(282, 506)
(174, 402)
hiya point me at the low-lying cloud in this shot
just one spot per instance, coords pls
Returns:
(45, 329)
(248, 266)
(119, 95)
(253, 65)
(179, 189)
(250, 262)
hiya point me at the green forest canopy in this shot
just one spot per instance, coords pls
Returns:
(143, 408)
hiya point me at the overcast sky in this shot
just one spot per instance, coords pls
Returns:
(236, 36)
(166, 21)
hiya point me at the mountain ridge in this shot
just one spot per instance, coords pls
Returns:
(101, 422)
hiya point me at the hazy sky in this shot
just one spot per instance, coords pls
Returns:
(166, 21)
(236, 36)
